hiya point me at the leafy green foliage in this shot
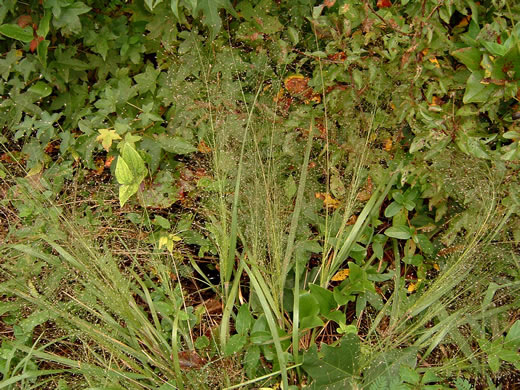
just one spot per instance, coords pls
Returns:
(337, 368)
(377, 179)
(130, 172)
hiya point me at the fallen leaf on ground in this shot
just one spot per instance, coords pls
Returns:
(190, 359)
(341, 275)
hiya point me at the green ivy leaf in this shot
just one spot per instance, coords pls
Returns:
(147, 81)
(41, 88)
(210, 10)
(68, 20)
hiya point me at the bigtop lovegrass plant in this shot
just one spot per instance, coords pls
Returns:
(264, 228)
(127, 322)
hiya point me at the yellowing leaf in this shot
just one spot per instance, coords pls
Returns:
(434, 61)
(436, 267)
(388, 144)
(279, 95)
(168, 240)
(163, 241)
(341, 275)
(414, 286)
(436, 101)
(106, 136)
(38, 168)
(203, 147)
(328, 200)
(464, 22)
(123, 172)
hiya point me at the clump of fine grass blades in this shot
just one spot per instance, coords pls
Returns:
(456, 308)
(252, 207)
(107, 309)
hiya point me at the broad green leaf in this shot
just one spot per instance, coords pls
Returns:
(425, 244)
(393, 209)
(244, 320)
(337, 369)
(494, 363)
(175, 145)
(174, 5)
(324, 297)
(477, 92)
(252, 360)
(512, 135)
(399, 232)
(163, 308)
(162, 222)
(309, 305)
(513, 336)
(309, 310)
(338, 317)
(202, 342)
(290, 187)
(469, 56)
(43, 26)
(409, 375)
(16, 32)
(68, 20)
(147, 81)
(235, 344)
(152, 3)
(123, 173)
(42, 51)
(134, 161)
(336, 185)
(41, 88)
(509, 355)
(126, 191)
(495, 48)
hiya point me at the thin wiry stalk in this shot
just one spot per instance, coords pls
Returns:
(296, 212)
